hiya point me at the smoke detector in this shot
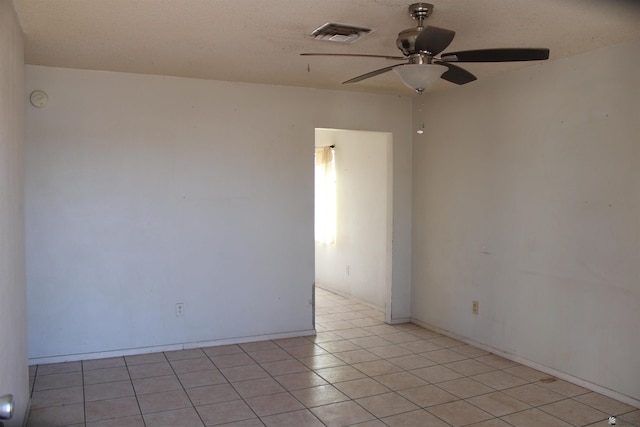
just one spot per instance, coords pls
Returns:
(340, 33)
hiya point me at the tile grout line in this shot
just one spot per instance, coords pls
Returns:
(135, 394)
(184, 390)
(231, 384)
(84, 396)
(289, 391)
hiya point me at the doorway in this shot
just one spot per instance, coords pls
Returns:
(357, 263)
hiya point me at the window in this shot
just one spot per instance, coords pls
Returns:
(325, 195)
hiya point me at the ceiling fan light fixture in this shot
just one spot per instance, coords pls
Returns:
(420, 77)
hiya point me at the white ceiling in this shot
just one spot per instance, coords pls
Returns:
(260, 41)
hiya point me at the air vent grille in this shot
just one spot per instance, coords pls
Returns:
(339, 33)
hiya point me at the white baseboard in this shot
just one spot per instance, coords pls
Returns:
(547, 370)
(168, 347)
(400, 321)
(242, 340)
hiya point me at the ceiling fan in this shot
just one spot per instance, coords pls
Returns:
(422, 48)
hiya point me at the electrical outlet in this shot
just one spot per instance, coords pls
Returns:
(179, 309)
(474, 307)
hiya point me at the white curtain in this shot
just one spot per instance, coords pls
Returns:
(325, 190)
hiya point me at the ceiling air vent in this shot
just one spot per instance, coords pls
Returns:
(340, 33)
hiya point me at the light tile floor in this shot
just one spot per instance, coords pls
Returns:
(357, 371)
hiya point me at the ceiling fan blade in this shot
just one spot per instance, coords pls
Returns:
(371, 74)
(497, 55)
(434, 40)
(456, 74)
(353, 54)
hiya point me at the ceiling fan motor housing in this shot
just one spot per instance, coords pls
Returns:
(406, 41)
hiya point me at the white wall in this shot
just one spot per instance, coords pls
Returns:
(359, 262)
(144, 191)
(527, 199)
(14, 377)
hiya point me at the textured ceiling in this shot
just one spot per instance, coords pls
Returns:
(260, 41)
